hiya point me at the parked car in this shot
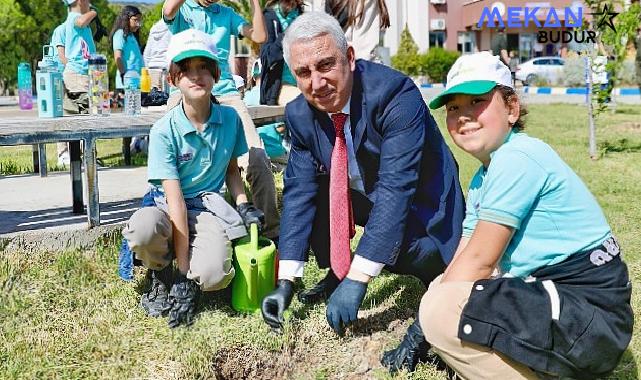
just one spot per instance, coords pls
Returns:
(548, 68)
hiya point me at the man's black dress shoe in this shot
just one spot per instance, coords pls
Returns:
(321, 291)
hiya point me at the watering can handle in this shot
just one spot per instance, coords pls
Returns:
(253, 236)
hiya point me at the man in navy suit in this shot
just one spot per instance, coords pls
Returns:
(402, 179)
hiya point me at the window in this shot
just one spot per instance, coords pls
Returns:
(437, 39)
(542, 62)
(558, 62)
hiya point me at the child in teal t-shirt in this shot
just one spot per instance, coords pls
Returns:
(537, 284)
(125, 42)
(58, 43)
(221, 22)
(193, 150)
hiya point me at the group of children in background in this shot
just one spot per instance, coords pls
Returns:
(528, 215)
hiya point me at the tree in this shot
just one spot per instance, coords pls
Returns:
(27, 26)
(244, 9)
(407, 58)
(615, 44)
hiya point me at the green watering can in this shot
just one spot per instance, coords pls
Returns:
(254, 262)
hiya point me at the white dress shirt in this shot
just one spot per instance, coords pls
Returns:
(294, 268)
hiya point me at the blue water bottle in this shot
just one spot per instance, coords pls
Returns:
(49, 84)
(25, 98)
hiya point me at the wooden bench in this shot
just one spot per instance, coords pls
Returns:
(88, 129)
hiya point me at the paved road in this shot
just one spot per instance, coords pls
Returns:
(31, 203)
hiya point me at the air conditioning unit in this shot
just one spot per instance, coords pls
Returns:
(438, 1)
(437, 24)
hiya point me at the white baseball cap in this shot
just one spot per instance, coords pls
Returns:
(474, 74)
(191, 43)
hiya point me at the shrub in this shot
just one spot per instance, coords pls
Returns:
(573, 74)
(627, 75)
(437, 62)
(406, 59)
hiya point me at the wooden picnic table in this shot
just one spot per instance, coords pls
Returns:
(31, 130)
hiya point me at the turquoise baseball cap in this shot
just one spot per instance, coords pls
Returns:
(474, 74)
(189, 44)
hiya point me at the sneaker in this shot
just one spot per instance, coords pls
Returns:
(155, 302)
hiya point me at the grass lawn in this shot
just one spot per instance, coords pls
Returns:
(67, 315)
(19, 159)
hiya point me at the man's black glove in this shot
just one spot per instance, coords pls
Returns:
(412, 350)
(182, 298)
(276, 302)
(343, 304)
(251, 214)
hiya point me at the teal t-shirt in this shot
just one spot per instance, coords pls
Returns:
(58, 39)
(527, 186)
(220, 22)
(268, 133)
(198, 159)
(79, 45)
(131, 56)
(285, 21)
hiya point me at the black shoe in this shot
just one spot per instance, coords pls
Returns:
(183, 299)
(321, 291)
(155, 301)
(412, 350)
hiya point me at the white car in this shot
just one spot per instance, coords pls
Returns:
(549, 68)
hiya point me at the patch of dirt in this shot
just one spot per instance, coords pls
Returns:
(244, 362)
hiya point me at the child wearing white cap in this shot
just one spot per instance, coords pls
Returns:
(193, 150)
(537, 287)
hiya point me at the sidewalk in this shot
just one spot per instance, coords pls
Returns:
(35, 210)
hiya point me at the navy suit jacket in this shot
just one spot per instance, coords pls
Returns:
(409, 173)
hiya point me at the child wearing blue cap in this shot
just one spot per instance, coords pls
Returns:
(537, 287)
(192, 151)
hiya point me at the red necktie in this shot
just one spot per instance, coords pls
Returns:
(341, 223)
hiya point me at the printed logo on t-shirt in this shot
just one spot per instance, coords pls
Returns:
(187, 156)
(84, 48)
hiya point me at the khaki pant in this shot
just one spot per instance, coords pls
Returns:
(287, 94)
(149, 235)
(255, 164)
(439, 315)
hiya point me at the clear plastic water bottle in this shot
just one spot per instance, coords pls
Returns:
(132, 93)
(25, 96)
(99, 101)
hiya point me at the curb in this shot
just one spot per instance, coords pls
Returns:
(53, 241)
(624, 91)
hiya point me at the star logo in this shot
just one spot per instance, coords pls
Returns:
(605, 18)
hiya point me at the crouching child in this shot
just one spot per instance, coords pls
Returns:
(192, 151)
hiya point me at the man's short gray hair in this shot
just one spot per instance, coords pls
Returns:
(310, 25)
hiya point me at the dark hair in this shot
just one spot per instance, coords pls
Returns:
(287, 5)
(176, 71)
(122, 22)
(350, 12)
(509, 95)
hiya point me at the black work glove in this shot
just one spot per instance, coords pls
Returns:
(412, 350)
(343, 304)
(182, 298)
(276, 302)
(251, 214)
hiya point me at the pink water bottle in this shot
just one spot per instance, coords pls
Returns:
(25, 98)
